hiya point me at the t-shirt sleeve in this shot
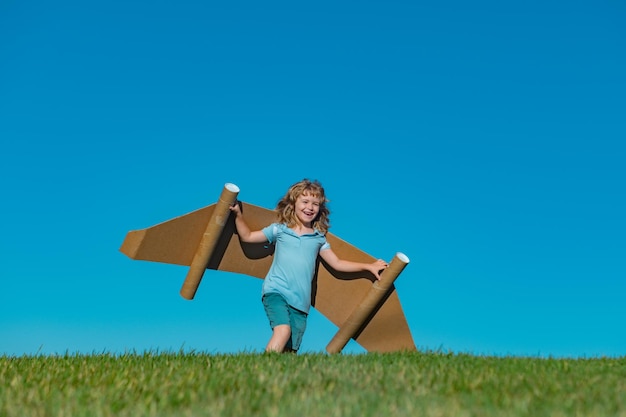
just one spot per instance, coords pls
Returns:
(325, 246)
(270, 232)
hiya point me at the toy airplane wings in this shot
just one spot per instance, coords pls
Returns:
(365, 309)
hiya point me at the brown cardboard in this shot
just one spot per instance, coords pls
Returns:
(209, 239)
(368, 306)
(335, 295)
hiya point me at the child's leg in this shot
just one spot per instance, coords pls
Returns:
(280, 336)
(277, 311)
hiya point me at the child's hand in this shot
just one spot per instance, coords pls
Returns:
(235, 208)
(377, 266)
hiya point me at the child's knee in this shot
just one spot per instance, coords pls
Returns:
(283, 330)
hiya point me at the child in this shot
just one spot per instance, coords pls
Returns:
(299, 236)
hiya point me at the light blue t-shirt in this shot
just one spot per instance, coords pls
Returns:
(293, 266)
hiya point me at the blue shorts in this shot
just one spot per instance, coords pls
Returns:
(279, 312)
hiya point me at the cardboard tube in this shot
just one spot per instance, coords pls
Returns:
(370, 302)
(211, 235)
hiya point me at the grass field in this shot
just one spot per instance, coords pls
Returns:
(251, 384)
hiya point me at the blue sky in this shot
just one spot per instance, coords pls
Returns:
(484, 140)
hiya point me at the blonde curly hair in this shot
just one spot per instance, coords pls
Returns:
(285, 208)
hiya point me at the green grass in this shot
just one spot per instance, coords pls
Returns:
(250, 384)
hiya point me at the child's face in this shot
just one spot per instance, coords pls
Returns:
(307, 207)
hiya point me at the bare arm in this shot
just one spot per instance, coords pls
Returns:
(343, 265)
(245, 234)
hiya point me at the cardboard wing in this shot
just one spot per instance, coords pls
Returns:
(382, 328)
